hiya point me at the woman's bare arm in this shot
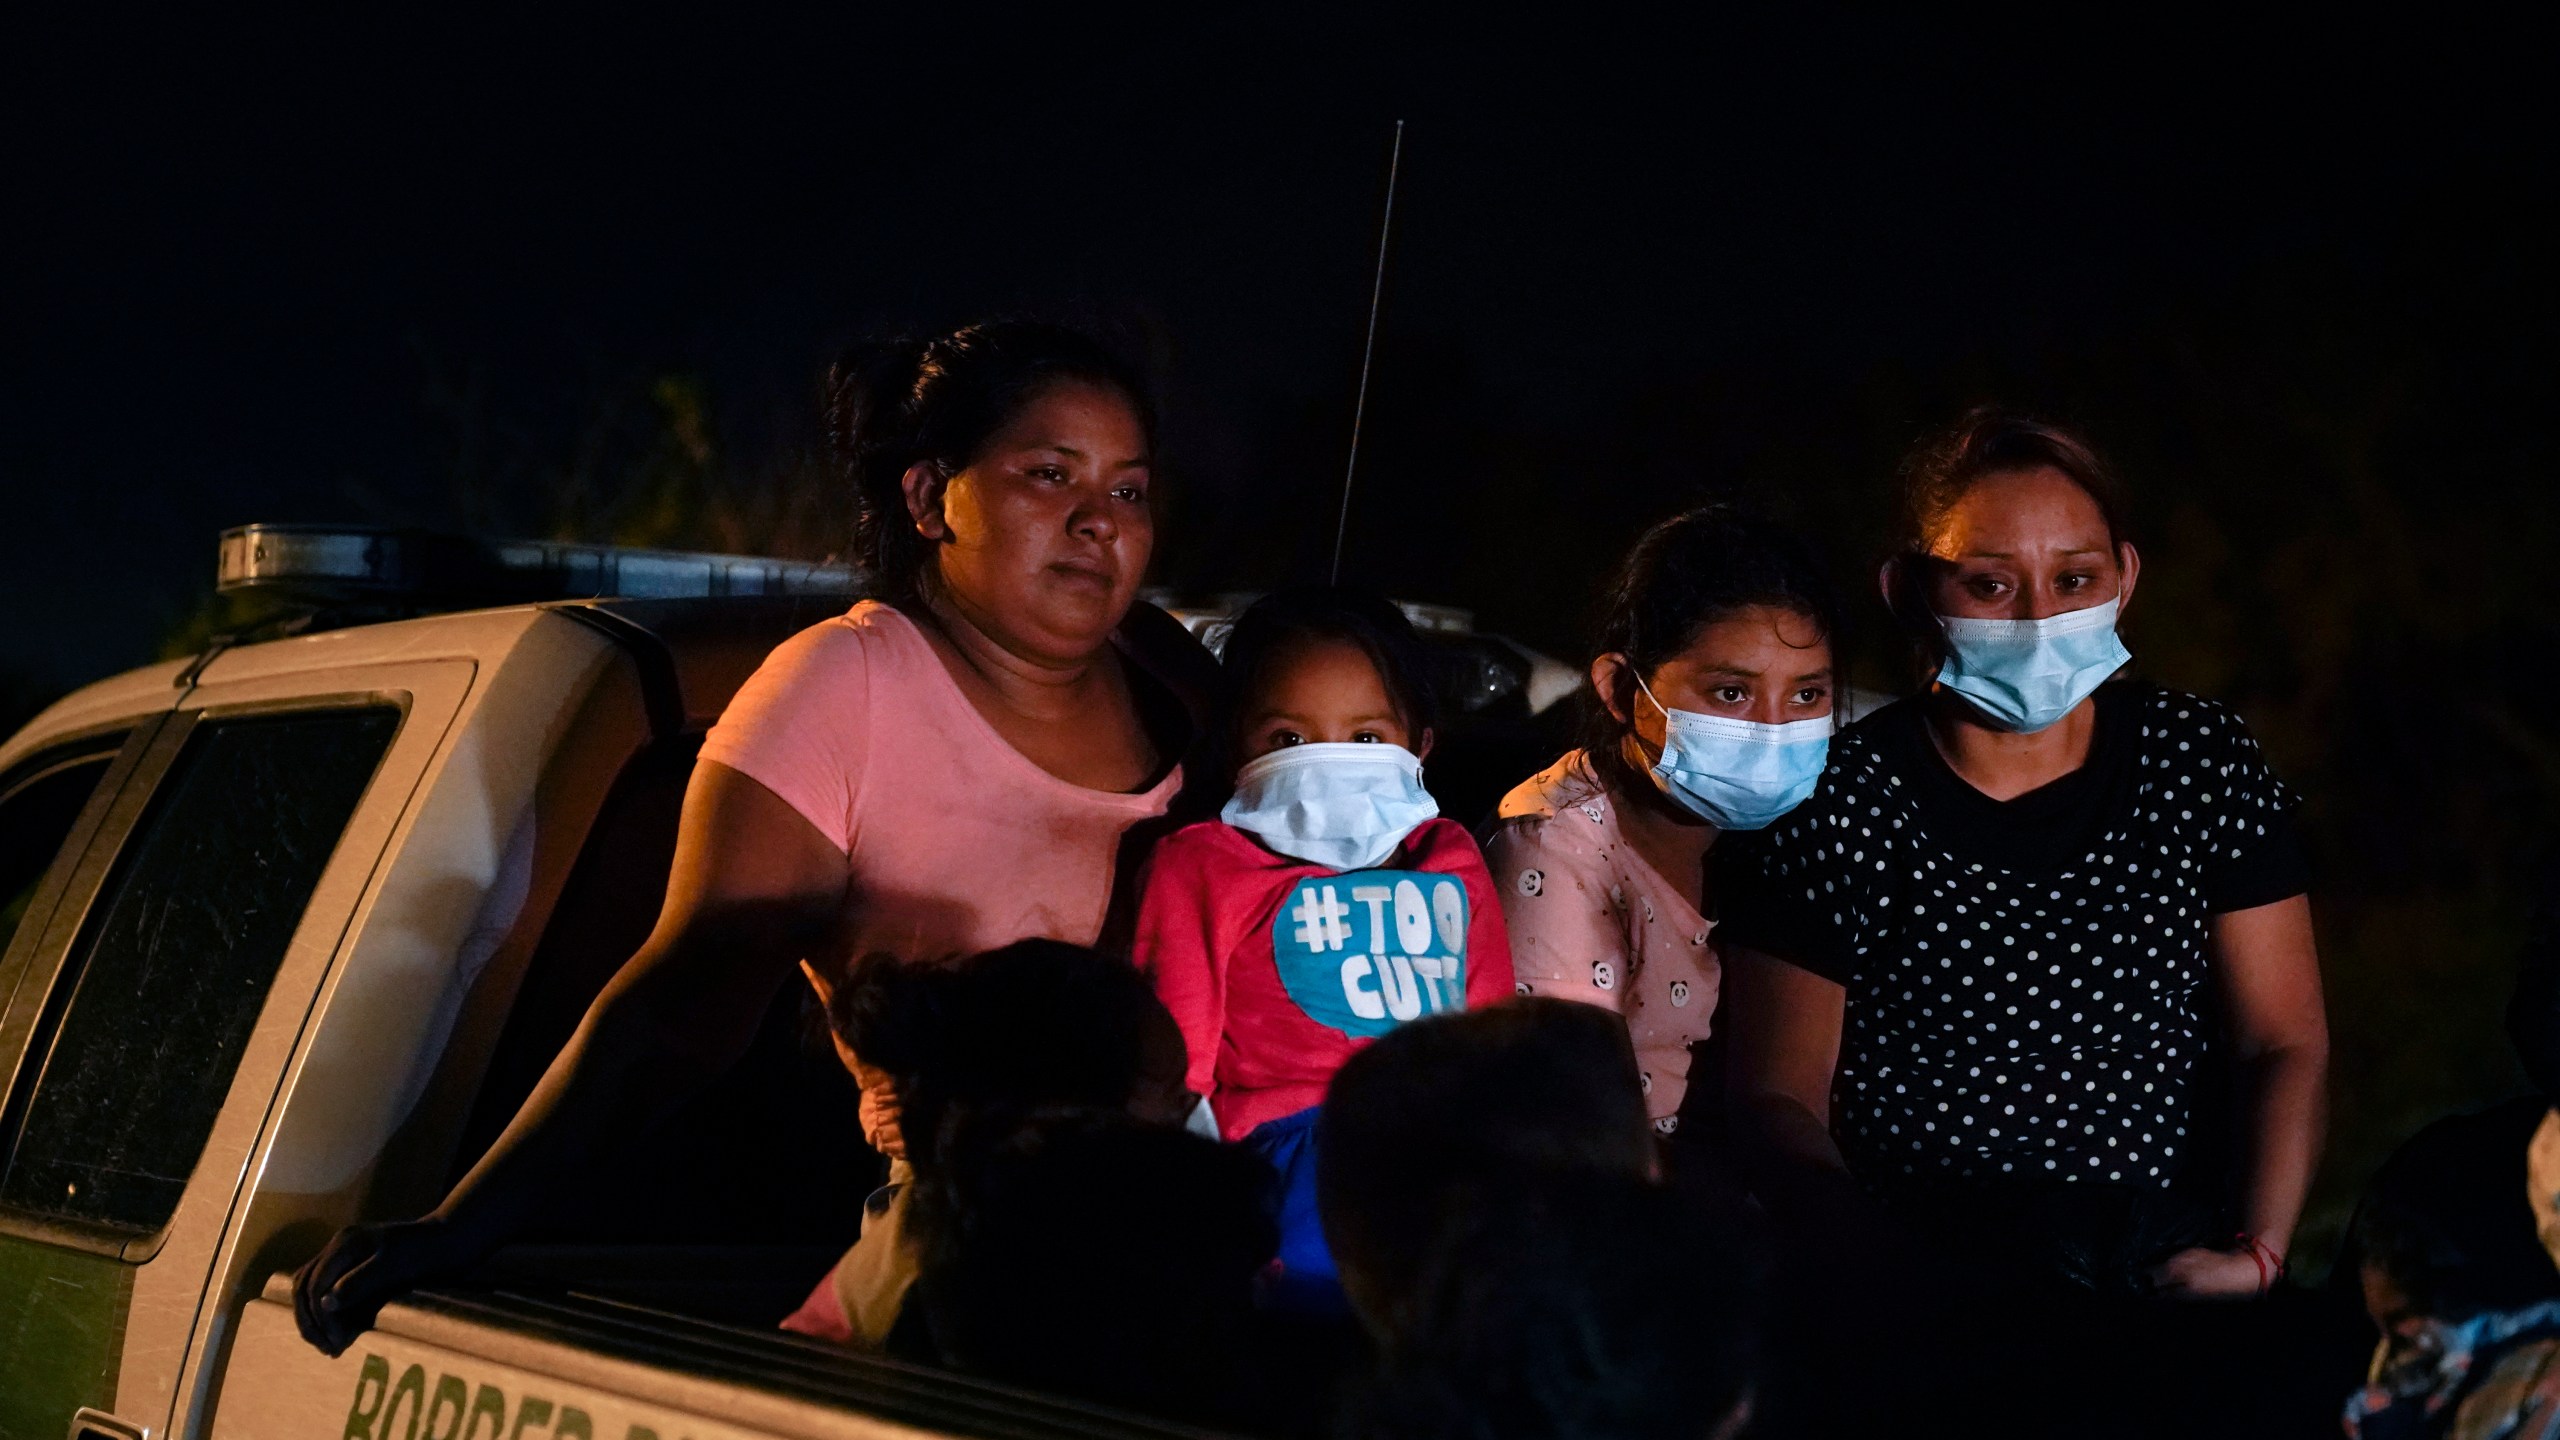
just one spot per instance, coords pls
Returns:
(2268, 968)
(754, 888)
(1782, 1023)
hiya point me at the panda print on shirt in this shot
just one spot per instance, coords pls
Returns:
(1591, 921)
(2028, 1025)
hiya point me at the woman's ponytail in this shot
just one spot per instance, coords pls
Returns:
(869, 392)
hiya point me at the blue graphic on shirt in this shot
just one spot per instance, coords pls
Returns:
(1366, 950)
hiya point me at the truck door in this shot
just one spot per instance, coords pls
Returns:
(61, 1313)
(149, 1022)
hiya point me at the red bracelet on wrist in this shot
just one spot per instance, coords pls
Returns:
(2269, 1260)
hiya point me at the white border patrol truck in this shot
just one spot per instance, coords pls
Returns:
(294, 924)
(279, 913)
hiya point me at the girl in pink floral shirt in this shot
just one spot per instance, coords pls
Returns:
(1716, 644)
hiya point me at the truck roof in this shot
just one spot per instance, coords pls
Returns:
(351, 594)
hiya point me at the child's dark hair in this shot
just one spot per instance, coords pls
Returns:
(2448, 1220)
(1037, 1022)
(1577, 1306)
(1685, 574)
(1432, 1108)
(1284, 619)
(897, 404)
(1988, 440)
(1085, 1252)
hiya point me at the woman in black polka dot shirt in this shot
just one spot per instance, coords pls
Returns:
(2035, 964)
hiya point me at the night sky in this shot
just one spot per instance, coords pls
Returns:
(251, 261)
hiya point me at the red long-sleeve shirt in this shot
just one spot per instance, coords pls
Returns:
(1277, 970)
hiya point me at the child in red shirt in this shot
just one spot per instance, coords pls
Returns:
(1329, 903)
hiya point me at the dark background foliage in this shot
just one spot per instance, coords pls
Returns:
(577, 275)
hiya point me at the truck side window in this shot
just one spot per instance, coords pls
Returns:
(39, 799)
(166, 981)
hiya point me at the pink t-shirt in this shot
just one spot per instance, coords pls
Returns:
(1591, 921)
(956, 842)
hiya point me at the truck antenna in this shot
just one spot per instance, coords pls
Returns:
(1368, 349)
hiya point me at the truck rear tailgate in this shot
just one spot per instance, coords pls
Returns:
(504, 1366)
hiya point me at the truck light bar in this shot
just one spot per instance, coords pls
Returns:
(1210, 623)
(356, 563)
(1478, 671)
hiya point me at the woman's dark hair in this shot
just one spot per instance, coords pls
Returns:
(894, 405)
(1940, 469)
(1992, 441)
(1037, 1022)
(1687, 573)
(1285, 619)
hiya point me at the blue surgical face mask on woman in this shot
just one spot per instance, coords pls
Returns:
(1346, 806)
(2023, 675)
(1737, 774)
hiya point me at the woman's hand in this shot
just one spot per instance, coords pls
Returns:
(339, 1292)
(2208, 1274)
(879, 1113)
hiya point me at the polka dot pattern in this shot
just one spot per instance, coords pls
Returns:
(2030, 1024)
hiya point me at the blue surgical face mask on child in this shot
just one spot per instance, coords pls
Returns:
(1738, 774)
(2023, 675)
(1344, 806)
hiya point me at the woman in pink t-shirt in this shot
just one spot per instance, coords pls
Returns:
(947, 768)
(1714, 688)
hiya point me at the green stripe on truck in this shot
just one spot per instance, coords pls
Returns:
(61, 1336)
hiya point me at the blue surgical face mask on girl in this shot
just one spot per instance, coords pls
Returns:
(1738, 774)
(1345, 806)
(2023, 675)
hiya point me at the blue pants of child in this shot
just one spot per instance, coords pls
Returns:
(1307, 1282)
